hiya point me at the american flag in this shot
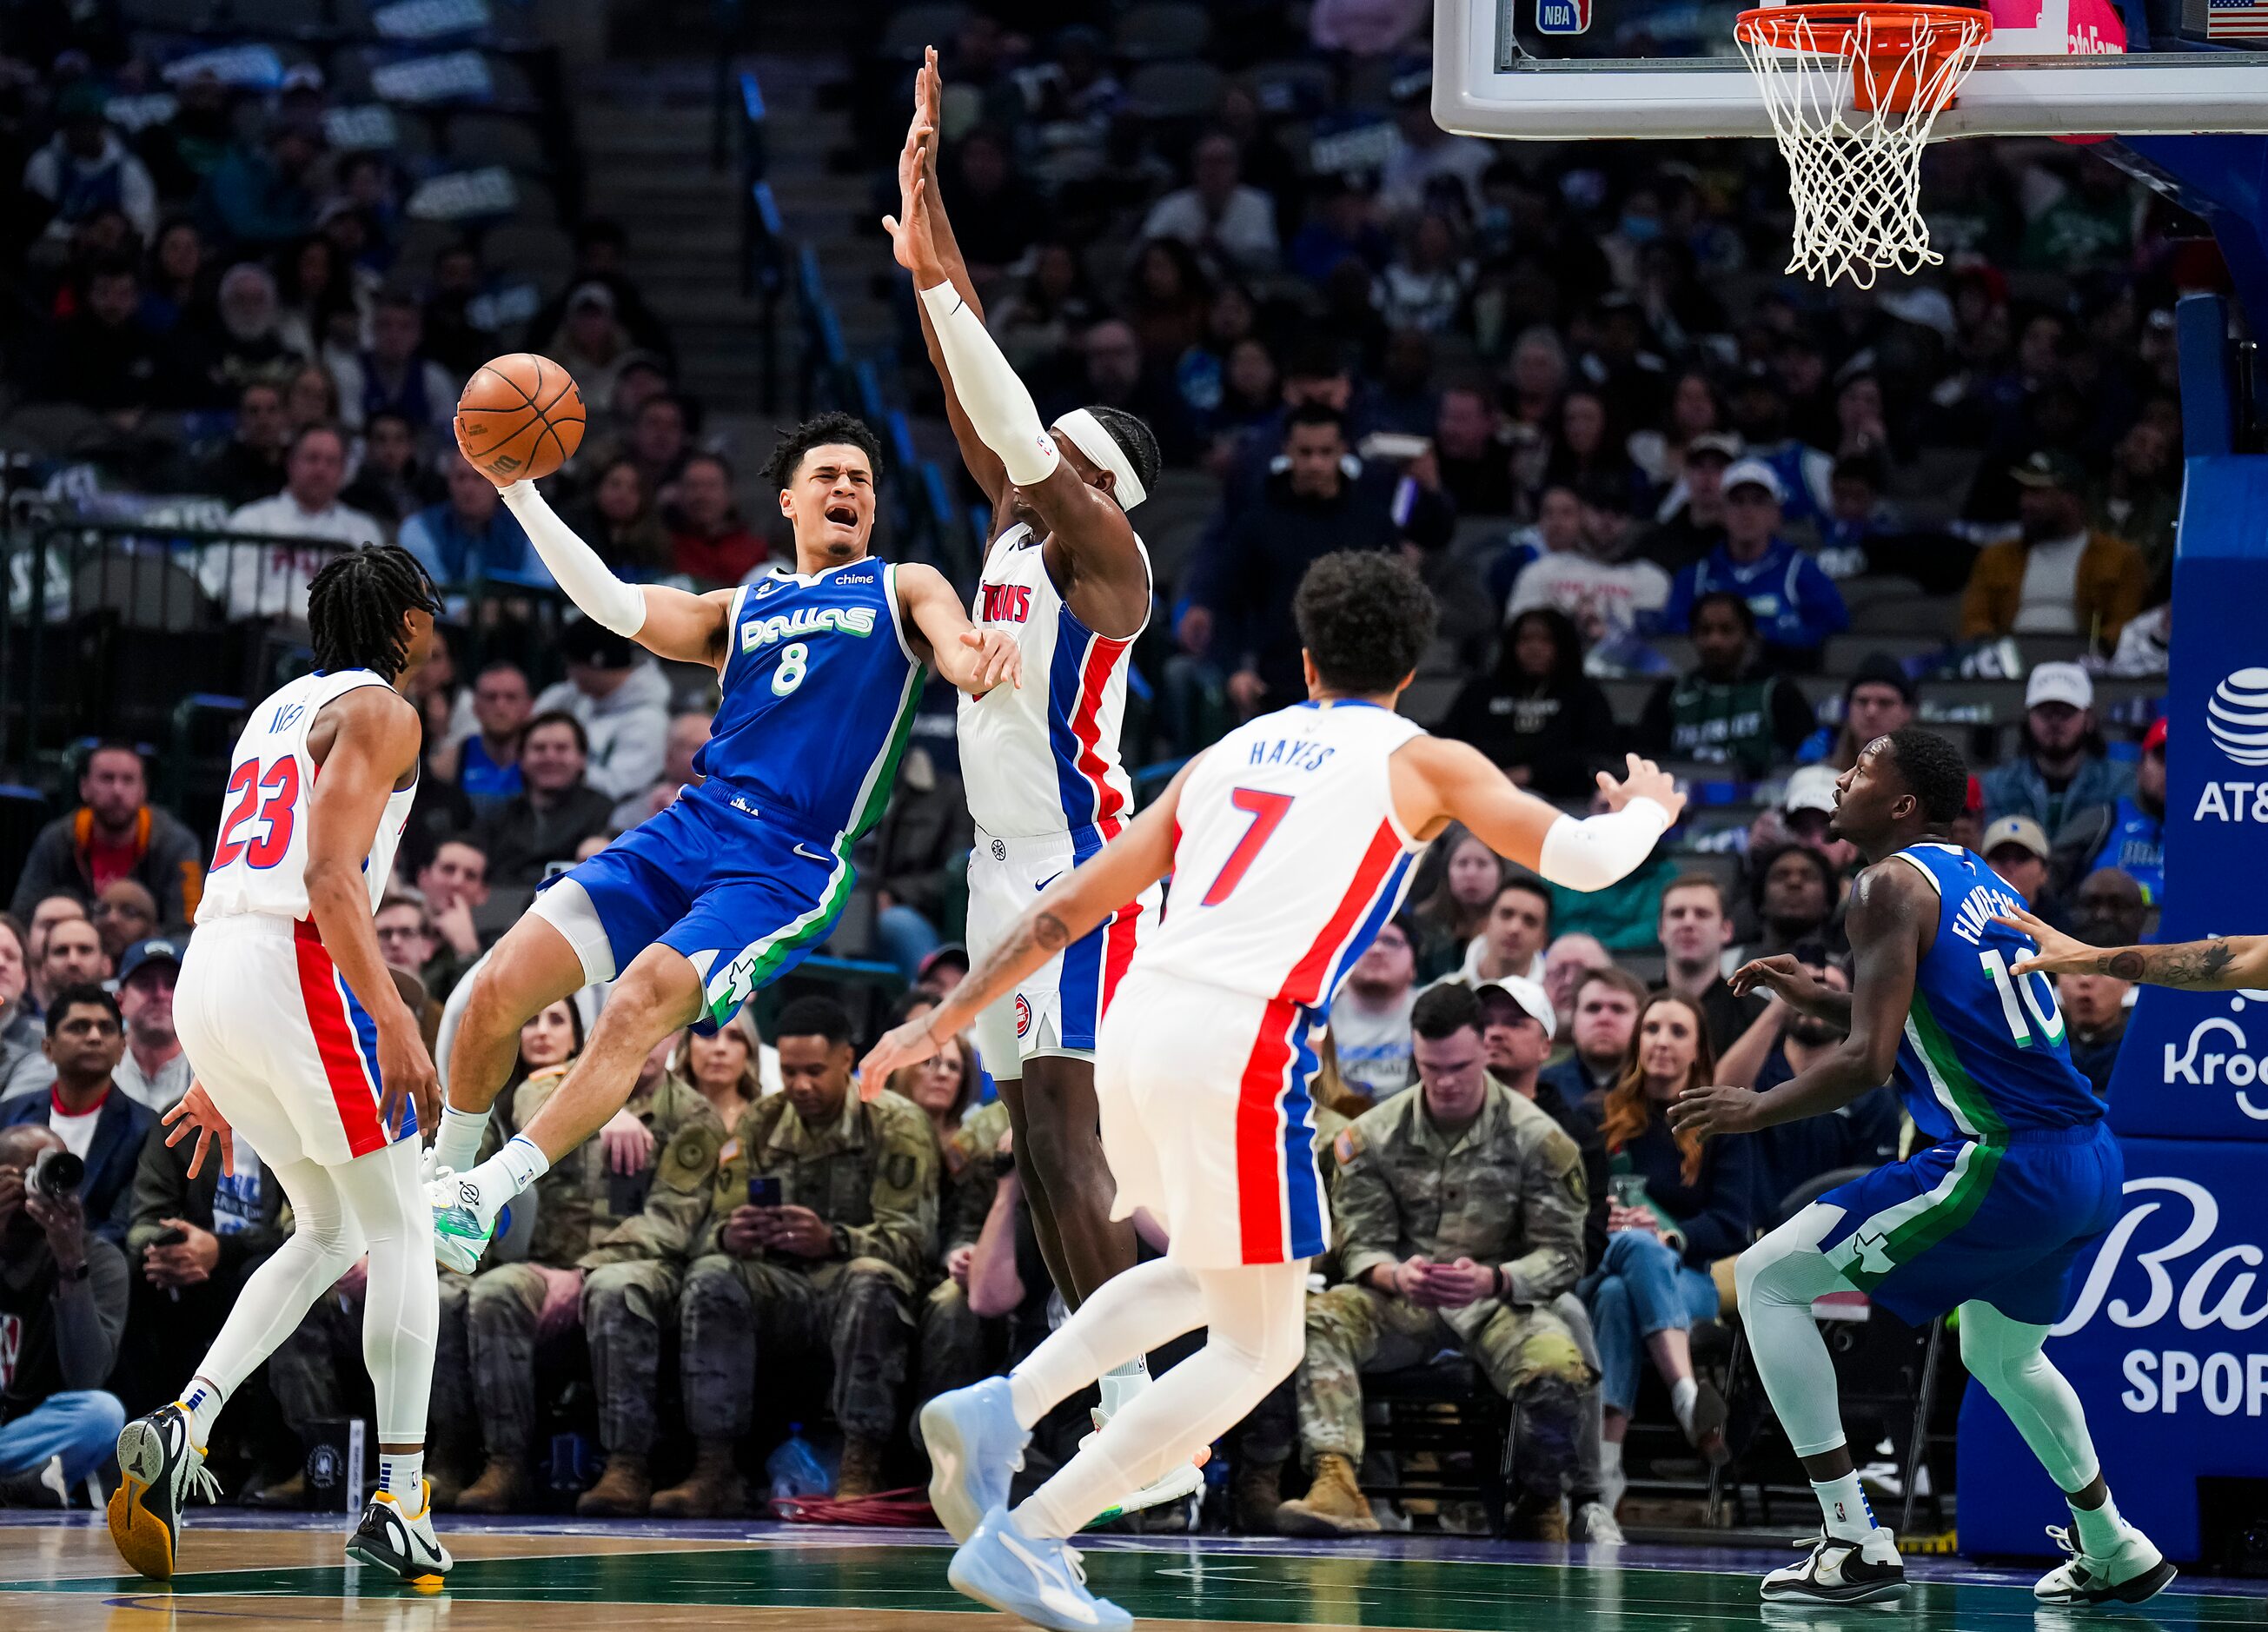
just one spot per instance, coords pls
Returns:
(2237, 19)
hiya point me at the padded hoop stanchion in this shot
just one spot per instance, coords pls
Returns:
(1852, 91)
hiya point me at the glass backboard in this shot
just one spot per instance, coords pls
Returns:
(1553, 70)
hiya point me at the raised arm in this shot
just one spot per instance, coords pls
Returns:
(919, 157)
(1892, 909)
(2226, 963)
(668, 622)
(372, 738)
(1437, 781)
(1067, 909)
(974, 659)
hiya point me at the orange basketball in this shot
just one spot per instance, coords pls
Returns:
(520, 417)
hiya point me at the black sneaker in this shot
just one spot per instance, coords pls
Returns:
(390, 1538)
(1839, 1571)
(159, 1467)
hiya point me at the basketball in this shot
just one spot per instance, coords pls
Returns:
(520, 418)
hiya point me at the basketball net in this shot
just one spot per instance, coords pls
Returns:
(1852, 91)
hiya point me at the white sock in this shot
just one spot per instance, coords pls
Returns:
(2099, 1531)
(503, 1176)
(457, 1145)
(1122, 1383)
(203, 1401)
(1611, 1462)
(402, 1476)
(1682, 1392)
(1844, 1506)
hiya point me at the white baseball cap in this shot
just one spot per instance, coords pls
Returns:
(2059, 682)
(1530, 995)
(1811, 788)
(1754, 473)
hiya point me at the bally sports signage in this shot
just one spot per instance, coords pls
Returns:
(2166, 1338)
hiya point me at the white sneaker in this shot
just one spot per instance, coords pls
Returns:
(2136, 1571)
(1595, 1524)
(391, 1539)
(1839, 1571)
(1177, 1484)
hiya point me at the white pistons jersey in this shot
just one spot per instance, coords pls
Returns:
(260, 862)
(1044, 759)
(1288, 856)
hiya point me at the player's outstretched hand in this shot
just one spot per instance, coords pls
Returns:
(196, 1113)
(1782, 977)
(911, 238)
(405, 1074)
(909, 1045)
(1708, 1110)
(2059, 953)
(997, 660)
(1645, 780)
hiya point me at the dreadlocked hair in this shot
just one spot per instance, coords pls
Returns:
(355, 605)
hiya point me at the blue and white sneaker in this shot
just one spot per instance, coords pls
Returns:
(1041, 1581)
(464, 1221)
(974, 1444)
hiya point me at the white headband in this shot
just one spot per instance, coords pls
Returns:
(1086, 433)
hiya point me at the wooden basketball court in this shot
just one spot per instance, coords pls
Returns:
(532, 1577)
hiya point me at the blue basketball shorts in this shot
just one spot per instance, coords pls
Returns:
(744, 898)
(2002, 1220)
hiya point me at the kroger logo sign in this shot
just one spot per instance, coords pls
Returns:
(2237, 716)
(2205, 1289)
(2218, 1054)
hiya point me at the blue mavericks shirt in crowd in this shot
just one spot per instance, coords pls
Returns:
(1985, 1050)
(480, 779)
(2137, 847)
(820, 689)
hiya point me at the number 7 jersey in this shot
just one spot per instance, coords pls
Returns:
(1288, 856)
(260, 861)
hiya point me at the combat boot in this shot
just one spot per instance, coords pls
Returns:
(713, 1489)
(502, 1488)
(862, 1469)
(623, 1490)
(1255, 1494)
(1538, 1518)
(1333, 1506)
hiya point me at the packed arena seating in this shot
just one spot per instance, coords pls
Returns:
(1669, 501)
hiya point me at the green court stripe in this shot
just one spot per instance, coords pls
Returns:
(1938, 1049)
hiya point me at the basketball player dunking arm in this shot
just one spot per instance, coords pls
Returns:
(1290, 841)
(731, 886)
(1068, 580)
(2015, 1177)
(303, 1044)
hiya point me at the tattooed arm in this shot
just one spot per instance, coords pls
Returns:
(2226, 963)
(1067, 909)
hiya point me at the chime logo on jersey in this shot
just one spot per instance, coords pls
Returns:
(1563, 17)
(806, 621)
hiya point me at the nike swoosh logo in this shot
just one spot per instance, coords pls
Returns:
(809, 856)
(1043, 883)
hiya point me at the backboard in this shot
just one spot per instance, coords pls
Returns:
(1557, 70)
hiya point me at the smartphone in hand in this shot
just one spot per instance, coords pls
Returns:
(764, 1190)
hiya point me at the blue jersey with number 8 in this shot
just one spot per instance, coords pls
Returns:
(820, 684)
(1984, 1051)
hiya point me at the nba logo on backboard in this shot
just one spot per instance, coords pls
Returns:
(1562, 17)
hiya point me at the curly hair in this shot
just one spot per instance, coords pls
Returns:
(832, 429)
(1932, 770)
(1366, 620)
(355, 607)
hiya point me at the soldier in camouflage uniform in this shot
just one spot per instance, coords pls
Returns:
(1460, 1215)
(510, 1308)
(830, 1273)
(951, 1345)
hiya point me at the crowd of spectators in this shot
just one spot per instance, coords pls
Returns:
(1654, 488)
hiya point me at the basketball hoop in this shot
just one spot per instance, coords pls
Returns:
(1852, 91)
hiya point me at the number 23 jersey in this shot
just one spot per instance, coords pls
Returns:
(1288, 856)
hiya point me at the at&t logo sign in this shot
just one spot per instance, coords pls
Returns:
(2237, 716)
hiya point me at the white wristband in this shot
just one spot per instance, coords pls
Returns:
(1600, 850)
(604, 598)
(998, 404)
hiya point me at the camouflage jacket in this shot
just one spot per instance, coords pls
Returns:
(871, 1174)
(969, 1178)
(1508, 1193)
(580, 1200)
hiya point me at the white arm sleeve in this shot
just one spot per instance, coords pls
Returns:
(603, 596)
(998, 403)
(1600, 850)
